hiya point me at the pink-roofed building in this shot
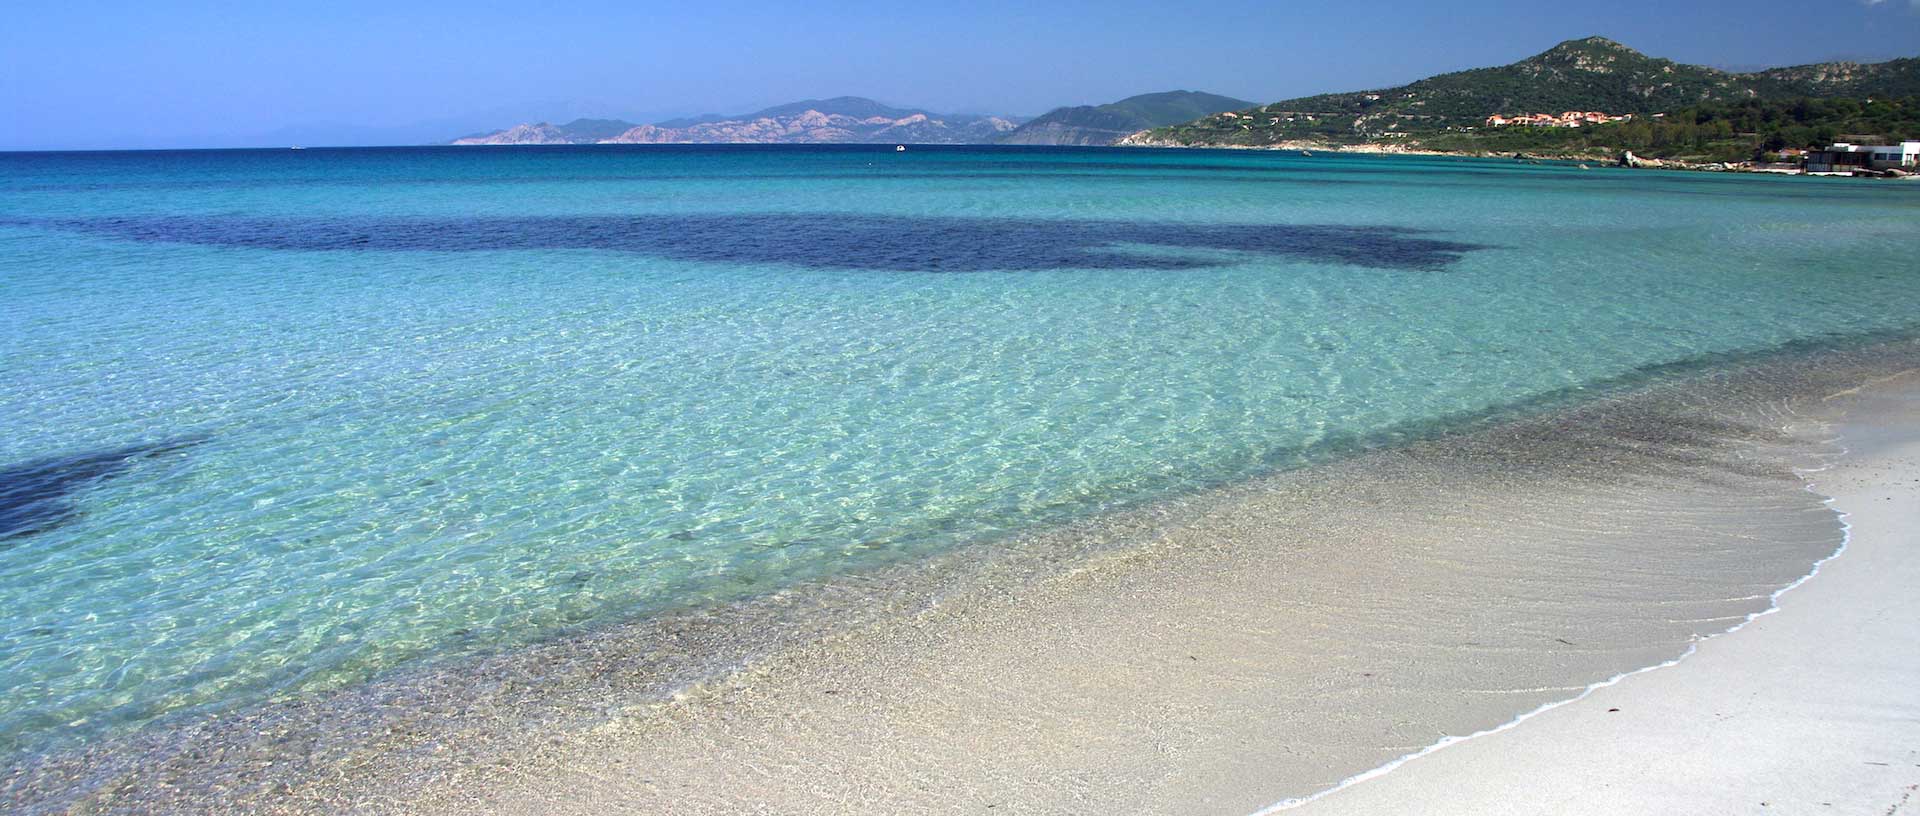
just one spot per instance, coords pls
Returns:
(1562, 119)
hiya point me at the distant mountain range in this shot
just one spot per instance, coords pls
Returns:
(1109, 123)
(1592, 74)
(841, 120)
(856, 120)
(578, 131)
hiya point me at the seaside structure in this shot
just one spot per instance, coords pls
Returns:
(1843, 157)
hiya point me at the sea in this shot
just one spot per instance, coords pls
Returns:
(276, 423)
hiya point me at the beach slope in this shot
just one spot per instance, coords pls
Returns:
(1809, 709)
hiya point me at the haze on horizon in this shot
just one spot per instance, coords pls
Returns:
(118, 74)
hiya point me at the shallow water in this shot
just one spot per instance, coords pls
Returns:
(282, 421)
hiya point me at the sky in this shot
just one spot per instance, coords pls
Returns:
(85, 74)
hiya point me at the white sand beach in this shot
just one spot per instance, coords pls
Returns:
(1809, 709)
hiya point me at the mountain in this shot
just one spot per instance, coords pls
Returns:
(858, 107)
(594, 130)
(1899, 77)
(1109, 123)
(1592, 74)
(840, 120)
(578, 131)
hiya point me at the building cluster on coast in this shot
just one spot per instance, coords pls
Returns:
(1847, 157)
(1568, 119)
(1837, 159)
(1854, 157)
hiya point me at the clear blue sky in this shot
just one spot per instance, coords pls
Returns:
(112, 73)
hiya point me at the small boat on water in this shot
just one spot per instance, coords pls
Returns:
(899, 148)
(1306, 152)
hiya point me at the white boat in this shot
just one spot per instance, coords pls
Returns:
(899, 148)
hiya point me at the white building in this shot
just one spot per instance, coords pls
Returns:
(1842, 157)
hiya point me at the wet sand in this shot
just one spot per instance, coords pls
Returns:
(1213, 653)
(1261, 643)
(1810, 709)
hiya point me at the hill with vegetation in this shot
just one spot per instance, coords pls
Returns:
(1449, 111)
(1717, 132)
(1109, 123)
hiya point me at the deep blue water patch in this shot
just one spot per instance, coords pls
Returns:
(38, 496)
(816, 240)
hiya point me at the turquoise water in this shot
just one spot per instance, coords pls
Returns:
(280, 421)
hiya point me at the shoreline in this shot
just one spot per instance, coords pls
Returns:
(423, 761)
(1598, 160)
(1120, 730)
(1801, 707)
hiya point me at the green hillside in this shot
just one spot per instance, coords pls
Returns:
(1106, 124)
(1714, 132)
(1594, 74)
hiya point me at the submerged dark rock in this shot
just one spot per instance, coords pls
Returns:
(816, 240)
(38, 496)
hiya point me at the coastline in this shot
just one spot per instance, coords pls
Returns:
(1804, 709)
(1052, 656)
(1597, 159)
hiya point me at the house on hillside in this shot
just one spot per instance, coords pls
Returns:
(1565, 119)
